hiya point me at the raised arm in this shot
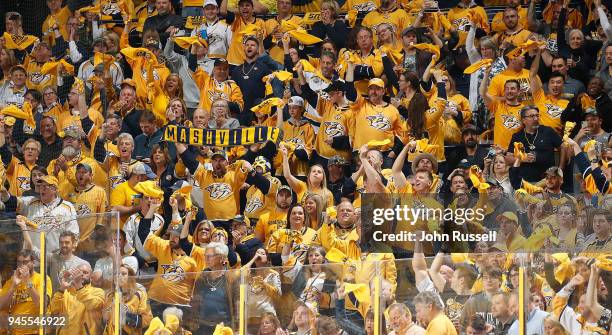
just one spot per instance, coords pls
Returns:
(291, 180)
(398, 176)
(484, 85)
(434, 272)
(373, 181)
(534, 83)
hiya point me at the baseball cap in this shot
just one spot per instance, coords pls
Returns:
(469, 128)
(210, 2)
(221, 153)
(179, 185)
(84, 166)
(138, 168)
(72, 132)
(149, 172)
(284, 188)
(464, 164)
(152, 43)
(220, 61)
(129, 82)
(50, 180)
(409, 30)
(376, 82)
(493, 182)
(336, 85)
(296, 101)
(336, 160)
(175, 229)
(554, 171)
(591, 111)
(509, 215)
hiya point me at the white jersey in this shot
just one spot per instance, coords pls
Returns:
(219, 35)
(53, 218)
(86, 71)
(133, 242)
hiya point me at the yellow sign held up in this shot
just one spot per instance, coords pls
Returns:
(221, 137)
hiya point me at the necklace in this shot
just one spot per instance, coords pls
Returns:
(213, 285)
(531, 144)
(245, 75)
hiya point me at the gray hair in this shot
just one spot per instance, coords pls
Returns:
(429, 298)
(125, 136)
(173, 311)
(571, 32)
(219, 248)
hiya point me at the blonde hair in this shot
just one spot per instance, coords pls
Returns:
(331, 5)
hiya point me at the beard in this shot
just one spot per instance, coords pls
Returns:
(470, 144)
(70, 152)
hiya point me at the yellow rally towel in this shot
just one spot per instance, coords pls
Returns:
(522, 195)
(52, 67)
(157, 327)
(477, 179)
(103, 58)
(309, 68)
(586, 101)
(336, 256)
(604, 262)
(187, 41)
(538, 237)
(567, 130)
(423, 145)
(220, 329)
(150, 189)
(265, 107)
(331, 212)
(395, 55)
(519, 151)
(283, 76)
(19, 42)
(531, 44)
(24, 113)
(351, 17)
(361, 291)
(476, 66)
(590, 145)
(250, 30)
(531, 188)
(434, 49)
(299, 33)
(379, 144)
(222, 137)
(565, 269)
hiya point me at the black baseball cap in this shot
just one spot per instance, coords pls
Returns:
(336, 85)
(220, 61)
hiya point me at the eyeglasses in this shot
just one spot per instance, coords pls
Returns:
(532, 116)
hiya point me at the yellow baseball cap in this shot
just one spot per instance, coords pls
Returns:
(50, 180)
(376, 82)
(510, 216)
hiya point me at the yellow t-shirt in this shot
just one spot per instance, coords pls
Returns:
(334, 121)
(507, 122)
(397, 17)
(496, 86)
(258, 203)
(458, 17)
(516, 38)
(498, 25)
(440, 325)
(87, 202)
(115, 177)
(175, 273)
(550, 109)
(60, 18)
(302, 135)
(22, 300)
(235, 54)
(452, 130)
(221, 195)
(124, 195)
(37, 80)
(375, 123)
(18, 174)
(269, 222)
(302, 190)
(276, 52)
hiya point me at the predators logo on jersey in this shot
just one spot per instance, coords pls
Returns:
(173, 272)
(379, 122)
(82, 209)
(253, 205)
(365, 6)
(23, 183)
(110, 8)
(116, 180)
(219, 191)
(510, 122)
(37, 77)
(553, 110)
(333, 129)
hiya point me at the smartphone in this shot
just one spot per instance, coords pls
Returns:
(204, 34)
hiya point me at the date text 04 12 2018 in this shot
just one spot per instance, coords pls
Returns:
(29, 321)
